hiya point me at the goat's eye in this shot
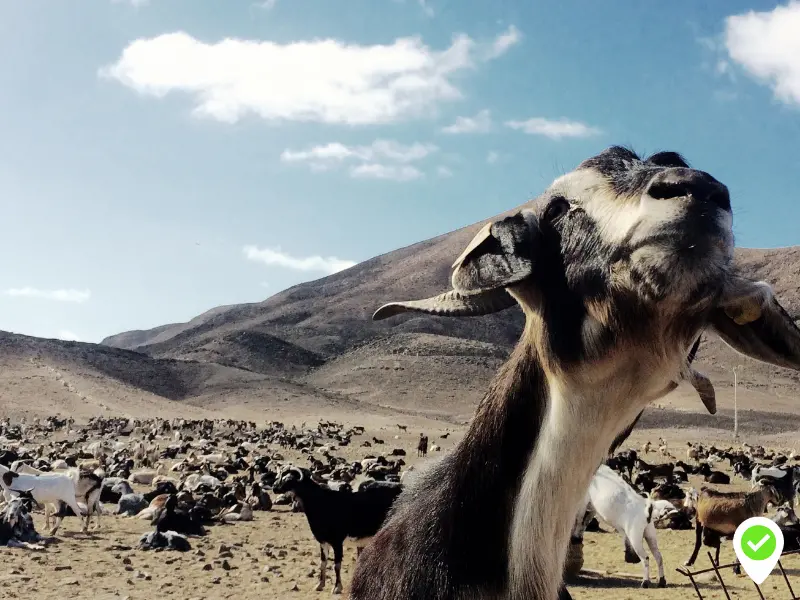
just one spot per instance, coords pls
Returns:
(558, 207)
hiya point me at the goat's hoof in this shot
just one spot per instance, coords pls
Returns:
(688, 563)
(645, 584)
(320, 587)
(737, 570)
(337, 589)
(662, 582)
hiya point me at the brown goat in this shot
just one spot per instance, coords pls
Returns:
(720, 513)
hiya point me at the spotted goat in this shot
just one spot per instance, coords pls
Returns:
(618, 268)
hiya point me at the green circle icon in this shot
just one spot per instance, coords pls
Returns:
(758, 542)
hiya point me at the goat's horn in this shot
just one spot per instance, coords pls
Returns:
(451, 304)
(705, 388)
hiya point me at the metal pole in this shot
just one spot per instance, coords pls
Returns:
(735, 405)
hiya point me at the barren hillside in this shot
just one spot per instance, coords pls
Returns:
(315, 342)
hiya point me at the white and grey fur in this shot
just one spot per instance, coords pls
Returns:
(618, 267)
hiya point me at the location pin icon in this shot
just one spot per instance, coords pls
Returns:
(758, 543)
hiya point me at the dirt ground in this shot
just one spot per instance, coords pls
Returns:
(275, 556)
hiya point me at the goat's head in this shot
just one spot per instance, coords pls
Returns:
(771, 495)
(661, 510)
(785, 515)
(619, 266)
(288, 478)
(15, 512)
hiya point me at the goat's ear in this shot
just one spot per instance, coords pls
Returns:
(501, 254)
(751, 320)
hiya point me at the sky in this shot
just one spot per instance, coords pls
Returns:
(162, 157)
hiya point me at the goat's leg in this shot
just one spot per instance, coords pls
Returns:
(323, 565)
(698, 538)
(650, 538)
(58, 517)
(338, 553)
(636, 538)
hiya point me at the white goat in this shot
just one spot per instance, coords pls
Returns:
(45, 489)
(88, 487)
(633, 516)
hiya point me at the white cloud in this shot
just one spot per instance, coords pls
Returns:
(426, 8)
(391, 172)
(379, 149)
(274, 257)
(492, 157)
(767, 46)
(504, 41)
(321, 80)
(371, 158)
(443, 171)
(480, 123)
(554, 129)
(68, 295)
(65, 334)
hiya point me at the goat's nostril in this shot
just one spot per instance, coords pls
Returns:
(664, 190)
(687, 183)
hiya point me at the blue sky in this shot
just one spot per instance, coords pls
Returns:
(162, 157)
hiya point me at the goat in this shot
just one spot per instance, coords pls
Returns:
(619, 505)
(335, 516)
(88, 486)
(618, 268)
(720, 513)
(168, 540)
(422, 445)
(46, 489)
(16, 526)
(178, 521)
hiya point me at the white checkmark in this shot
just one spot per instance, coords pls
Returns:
(755, 547)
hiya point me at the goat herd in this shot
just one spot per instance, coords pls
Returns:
(208, 472)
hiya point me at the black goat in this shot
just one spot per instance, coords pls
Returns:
(334, 516)
(179, 521)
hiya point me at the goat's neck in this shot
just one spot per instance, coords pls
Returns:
(577, 428)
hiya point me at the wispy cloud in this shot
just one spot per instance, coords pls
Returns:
(443, 172)
(767, 45)
(266, 4)
(371, 158)
(391, 172)
(62, 295)
(379, 149)
(274, 257)
(554, 129)
(134, 3)
(480, 123)
(426, 8)
(341, 82)
(65, 334)
(492, 157)
(503, 42)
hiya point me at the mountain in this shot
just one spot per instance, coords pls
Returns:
(318, 339)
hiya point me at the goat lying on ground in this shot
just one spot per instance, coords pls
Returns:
(169, 540)
(335, 516)
(618, 268)
(619, 505)
(16, 526)
(720, 513)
